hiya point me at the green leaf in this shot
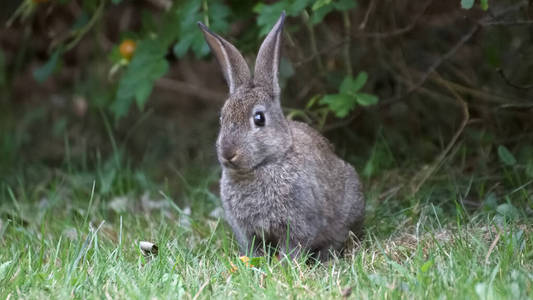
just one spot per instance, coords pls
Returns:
(318, 15)
(350, 85)
(426, 266)
(506, 156)
(147, 65)
(297, 6)
(189, 36)
(467, 4)
(366, 99)
(257, 261)
(508, 210)
(42, 73)
(116, 1)
(340, 104)
(268, 15)
(484, 4)
(369, 168)
(491, 202)
(343, 5)
(319, 4)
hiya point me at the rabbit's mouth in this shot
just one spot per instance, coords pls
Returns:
(237, 166)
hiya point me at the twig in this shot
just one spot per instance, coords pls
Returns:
(347, 28)
(464, 39)
(85, 29)
(189, 89)
(200, 290)
(361, 35)
(343, 122)
(509, 82)
(492, 245)
(443, 154)
(489, 97)
(367, 14)
(436, 64)
(508, 23)
(399, 31)
(312, 40)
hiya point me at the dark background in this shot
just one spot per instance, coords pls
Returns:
(455, 89)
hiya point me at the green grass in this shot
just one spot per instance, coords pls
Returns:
(62, 238)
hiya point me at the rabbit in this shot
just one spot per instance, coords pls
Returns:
(282, 184)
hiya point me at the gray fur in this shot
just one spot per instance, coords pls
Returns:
(283, 176)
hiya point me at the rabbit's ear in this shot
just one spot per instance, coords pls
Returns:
(267, 62)
(234, 67)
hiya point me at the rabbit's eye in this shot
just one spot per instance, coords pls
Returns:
(259, 119)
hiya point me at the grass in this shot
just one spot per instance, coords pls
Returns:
(76, 238)
(74, 232)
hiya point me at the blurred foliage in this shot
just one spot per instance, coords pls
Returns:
(148, 61)
(110, 85)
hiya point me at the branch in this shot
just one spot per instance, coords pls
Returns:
(508, 23)
(435, 65)
(374, 35)
(438, 161)
(454, 49)
(516, 86)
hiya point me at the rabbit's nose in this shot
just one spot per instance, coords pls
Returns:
(229, 154)
(231, 157)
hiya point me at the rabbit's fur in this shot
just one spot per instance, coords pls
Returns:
(282, 184)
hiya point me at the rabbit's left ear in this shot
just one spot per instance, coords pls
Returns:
(268, 58)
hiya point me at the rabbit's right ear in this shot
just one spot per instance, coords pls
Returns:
(234, 66)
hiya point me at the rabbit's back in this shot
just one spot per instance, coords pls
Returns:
(337, 179)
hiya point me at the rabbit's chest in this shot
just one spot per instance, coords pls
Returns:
(260, 206)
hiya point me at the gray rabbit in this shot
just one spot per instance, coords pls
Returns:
(282, 184)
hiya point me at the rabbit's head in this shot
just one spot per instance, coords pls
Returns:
(253, 129)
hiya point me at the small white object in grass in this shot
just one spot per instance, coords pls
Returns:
(148, 248)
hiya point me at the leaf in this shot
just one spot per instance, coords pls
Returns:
(506, 156)
(491, 202)
(268, 15)
(340, 104)
(467, 4)
(297, 6)
(366, 99)
(189, 36)
(319, 4)
(147, 65)
(426, 266)
(484, 4)
(141, 94)
(318, 15)
(508, 210)
(350, 85)
(369, 168)
(344, 5)
(42, 73)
